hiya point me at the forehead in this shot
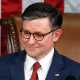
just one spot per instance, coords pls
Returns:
(41, 24)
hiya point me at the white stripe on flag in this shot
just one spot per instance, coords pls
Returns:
(71, 6)
(26, 3)
(0, 28)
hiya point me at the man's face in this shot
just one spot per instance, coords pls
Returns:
(34, 48)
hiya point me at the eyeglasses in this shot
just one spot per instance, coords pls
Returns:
(37, 36)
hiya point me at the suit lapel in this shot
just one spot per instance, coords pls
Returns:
(17, 67)
(56, 71)
(57, 68)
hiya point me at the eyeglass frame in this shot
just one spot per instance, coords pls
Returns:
(36, 33)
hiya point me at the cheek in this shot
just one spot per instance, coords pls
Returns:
(24, 41)
(46, 45)
(48, 41)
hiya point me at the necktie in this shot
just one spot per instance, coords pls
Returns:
(34, 73)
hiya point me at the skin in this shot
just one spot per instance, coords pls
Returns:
(39, 49)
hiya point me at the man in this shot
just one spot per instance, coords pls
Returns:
(41, 28)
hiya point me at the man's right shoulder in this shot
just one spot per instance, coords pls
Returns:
(9, 57)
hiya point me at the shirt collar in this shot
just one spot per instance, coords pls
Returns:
(45, 62)
(29, 61)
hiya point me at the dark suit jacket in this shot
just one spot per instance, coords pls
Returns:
(12, 67)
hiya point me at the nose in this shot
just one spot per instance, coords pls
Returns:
(31, 40)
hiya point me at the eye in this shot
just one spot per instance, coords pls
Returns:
(38, 35)
(26, 32)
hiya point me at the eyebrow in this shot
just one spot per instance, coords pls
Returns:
(35, 32)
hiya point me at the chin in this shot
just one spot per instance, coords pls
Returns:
(31, 52)
(33, 55)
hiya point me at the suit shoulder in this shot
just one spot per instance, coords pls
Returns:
(66, 60)
(70, 62)
(9, 57)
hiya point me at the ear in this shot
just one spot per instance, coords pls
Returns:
(56, 35)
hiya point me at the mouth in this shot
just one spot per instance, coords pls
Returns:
(32, 47)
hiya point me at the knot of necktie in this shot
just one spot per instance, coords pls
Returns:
(36, 66)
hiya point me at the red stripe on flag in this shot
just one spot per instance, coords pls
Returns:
(3, 46)
(57, 3)
(9, 7)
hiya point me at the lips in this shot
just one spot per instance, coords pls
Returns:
(32, 47)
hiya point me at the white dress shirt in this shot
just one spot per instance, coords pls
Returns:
(43, 70)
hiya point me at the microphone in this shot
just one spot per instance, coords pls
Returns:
(70, 78)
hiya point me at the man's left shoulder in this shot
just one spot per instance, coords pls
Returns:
(71, 63)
